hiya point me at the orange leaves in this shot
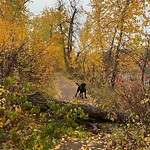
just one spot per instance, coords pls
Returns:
(48, 40)
(114, 27)
(11, 35)
(13, 11)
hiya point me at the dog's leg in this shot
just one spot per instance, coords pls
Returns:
(75, 95)
(77, 92)
(81, 95)
(85, 94)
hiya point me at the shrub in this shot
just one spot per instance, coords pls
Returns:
(137, 101)
(24, 126)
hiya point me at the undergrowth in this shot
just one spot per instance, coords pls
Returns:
(24, 126)
(133, 99)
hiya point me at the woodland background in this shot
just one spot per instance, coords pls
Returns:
(110, 51)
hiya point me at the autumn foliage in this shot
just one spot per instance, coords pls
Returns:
(110, 50)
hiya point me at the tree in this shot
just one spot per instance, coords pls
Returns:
(63, 17)
(13, 10)
(110, 27)
(13, 41)
(47, 42)
(68, 23)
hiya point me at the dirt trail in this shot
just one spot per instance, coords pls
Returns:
(66, 90)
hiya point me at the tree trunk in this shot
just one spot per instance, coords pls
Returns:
(70, 37)
(94, 114)
(116, 63)
(115, 70)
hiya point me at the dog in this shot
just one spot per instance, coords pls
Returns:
(82, 89)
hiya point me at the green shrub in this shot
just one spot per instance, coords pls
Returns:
(26, 127)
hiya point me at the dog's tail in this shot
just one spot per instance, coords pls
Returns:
(77, 84)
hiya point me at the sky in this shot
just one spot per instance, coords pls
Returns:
(36, 6)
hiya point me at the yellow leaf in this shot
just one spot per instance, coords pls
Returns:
(147, 139)
(18, 109)
(83, 148)
(107, 135)
(57, 147)
(1, 123)
(112, 119)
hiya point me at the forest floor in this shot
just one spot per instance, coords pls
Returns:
(66, 90)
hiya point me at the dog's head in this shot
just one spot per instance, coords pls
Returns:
(83, 85)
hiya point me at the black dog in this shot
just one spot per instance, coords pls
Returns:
(82, 89)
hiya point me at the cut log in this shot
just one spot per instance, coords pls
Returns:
(94, 114)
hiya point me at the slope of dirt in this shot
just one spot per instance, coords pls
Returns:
(66, 89)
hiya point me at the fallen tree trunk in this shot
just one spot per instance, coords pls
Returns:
(99, 115)
(94, 114)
